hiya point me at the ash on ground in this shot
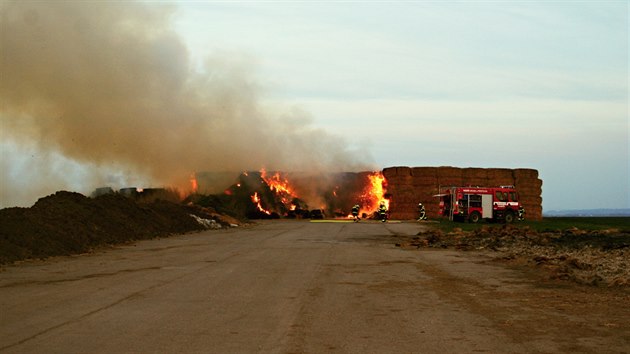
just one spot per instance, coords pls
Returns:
(599, 258)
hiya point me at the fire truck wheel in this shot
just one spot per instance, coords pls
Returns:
(509, 217)
(474, 217)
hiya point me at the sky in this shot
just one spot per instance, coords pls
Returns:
(508, 84)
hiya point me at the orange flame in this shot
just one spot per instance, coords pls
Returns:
(256, 201)
(279, 185)
(194, 186)
(374, 193)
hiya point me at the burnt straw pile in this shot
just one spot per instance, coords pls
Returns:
(594, 257)
(68, 223)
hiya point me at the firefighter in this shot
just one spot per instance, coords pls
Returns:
(422, 213)
(355, 212)
(382, 212)
(521, 213)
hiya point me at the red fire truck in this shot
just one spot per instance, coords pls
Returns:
(476, 203)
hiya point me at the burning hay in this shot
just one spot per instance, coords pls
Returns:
(264, 195)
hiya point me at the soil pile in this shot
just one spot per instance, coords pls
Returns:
(69, 223)
(599, 257)
(408, 186)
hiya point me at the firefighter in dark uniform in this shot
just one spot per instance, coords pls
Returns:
(382, 212)
(422, 214)
(521, 213)
(355, 212)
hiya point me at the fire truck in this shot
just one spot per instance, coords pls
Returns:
(497, 204)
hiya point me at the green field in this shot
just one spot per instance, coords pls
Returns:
(548, 224)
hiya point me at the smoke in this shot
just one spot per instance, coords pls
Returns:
(106, 92)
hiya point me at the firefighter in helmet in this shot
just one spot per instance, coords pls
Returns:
(422, 214)
(382, 212)
(355, 212)
(521, 213)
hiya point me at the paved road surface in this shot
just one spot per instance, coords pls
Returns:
(278, 287)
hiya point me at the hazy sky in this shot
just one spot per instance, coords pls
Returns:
(537, 84)
(514, 84)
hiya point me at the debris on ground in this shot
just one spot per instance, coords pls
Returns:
(593, 257)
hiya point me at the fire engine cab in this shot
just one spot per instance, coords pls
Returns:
(476, 203)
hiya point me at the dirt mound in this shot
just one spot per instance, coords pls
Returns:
(600, 257)
(69, 223)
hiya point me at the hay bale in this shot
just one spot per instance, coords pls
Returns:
(450, 181)
(528, 188)
(531, 200)
(525, 173)
(402, 195)
(424, 189)
(528, 183)
(399, 171)
(424, 172)
(403, 171)
(424, 181)
(529, 193)
(449, 172)
(389, 172)
(533, 212)
(498, 181)
(523, 192)
(474, 173)
(475, 182)
(399, 181)
(500, 174)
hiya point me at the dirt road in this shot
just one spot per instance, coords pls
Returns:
(300, 287)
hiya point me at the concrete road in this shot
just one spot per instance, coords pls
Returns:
(281, 287)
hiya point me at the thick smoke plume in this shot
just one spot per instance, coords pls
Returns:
(110, 86)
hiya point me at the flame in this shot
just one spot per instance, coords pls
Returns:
(194, 186)
(373, 194)
(280, 186)
(256, 201)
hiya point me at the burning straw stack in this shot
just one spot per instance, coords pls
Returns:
(409, 186)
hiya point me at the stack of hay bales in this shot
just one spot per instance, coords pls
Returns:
(399, 180)
(529, 188)
(408, 186)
